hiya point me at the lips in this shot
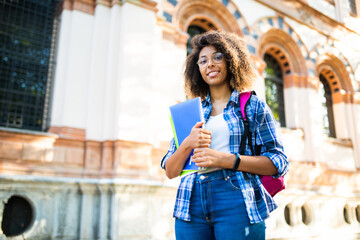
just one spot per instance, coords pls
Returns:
(213, 73)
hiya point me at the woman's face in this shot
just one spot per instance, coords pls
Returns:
(212, 66)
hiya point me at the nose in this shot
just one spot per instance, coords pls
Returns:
(210, 63)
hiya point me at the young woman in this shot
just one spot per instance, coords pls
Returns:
(227, 200)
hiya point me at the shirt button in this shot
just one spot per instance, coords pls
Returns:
(202, 177)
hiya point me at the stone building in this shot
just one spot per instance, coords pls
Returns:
(85, 88)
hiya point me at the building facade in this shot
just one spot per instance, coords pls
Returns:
(85, 87)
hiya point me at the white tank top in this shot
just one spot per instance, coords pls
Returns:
(220, 135)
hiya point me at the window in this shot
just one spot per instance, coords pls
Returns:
(352, 6)
(192, 31)
(287, 215)
(327, 107)
(347, 214)
(305, 215)
(17, 216)
(274, 89)
(27, 36)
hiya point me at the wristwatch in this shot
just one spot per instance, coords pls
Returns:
(237, 162)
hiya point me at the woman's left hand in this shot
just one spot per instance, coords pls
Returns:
(207, 157)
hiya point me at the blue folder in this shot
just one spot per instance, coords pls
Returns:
(183, 118)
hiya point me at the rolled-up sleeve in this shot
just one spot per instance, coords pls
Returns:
(171, 150)
(268, 137)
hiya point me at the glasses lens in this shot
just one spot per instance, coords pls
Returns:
(217, 57)
(202, 62)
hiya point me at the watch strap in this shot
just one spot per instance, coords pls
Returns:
(236, 162)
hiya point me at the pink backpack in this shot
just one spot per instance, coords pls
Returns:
(272, 185)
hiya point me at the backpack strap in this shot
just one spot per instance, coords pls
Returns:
(244, 101)
(273, 186)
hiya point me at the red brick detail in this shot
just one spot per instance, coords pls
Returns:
(86, 6)
(93, 152)
(107, 3)
(68, 132)
(107, 158)
(132, 155)
(59, 155)
(147, 4)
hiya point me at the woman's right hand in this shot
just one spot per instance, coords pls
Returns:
(199, 137)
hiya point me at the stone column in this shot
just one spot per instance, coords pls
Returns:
(89, 211)
(105, 210)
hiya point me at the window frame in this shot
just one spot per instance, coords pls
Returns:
(278, 80)
(26, 81)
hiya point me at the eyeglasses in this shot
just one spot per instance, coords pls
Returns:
(216, 57)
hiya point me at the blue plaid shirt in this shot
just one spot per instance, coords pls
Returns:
(258, 202)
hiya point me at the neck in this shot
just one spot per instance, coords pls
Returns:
(220, 94)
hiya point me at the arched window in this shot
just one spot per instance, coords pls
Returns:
(27, 38)
(192, 31)
(274, 88)
(327, 107)
(197, 26)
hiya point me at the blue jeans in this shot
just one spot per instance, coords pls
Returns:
(218, 211)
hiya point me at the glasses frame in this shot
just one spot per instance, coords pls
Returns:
(213, 58)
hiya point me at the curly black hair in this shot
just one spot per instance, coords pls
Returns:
(241, 73)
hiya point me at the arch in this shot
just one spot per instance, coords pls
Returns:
(203, 22)
(280, 45)
(277, 38)
(224, 15)
(279, 53)
(279, 31)
(336, 74)
(328, 53)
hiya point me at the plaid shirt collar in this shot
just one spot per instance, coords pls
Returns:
(234, 100)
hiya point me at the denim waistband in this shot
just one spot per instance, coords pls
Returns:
(206, 177)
